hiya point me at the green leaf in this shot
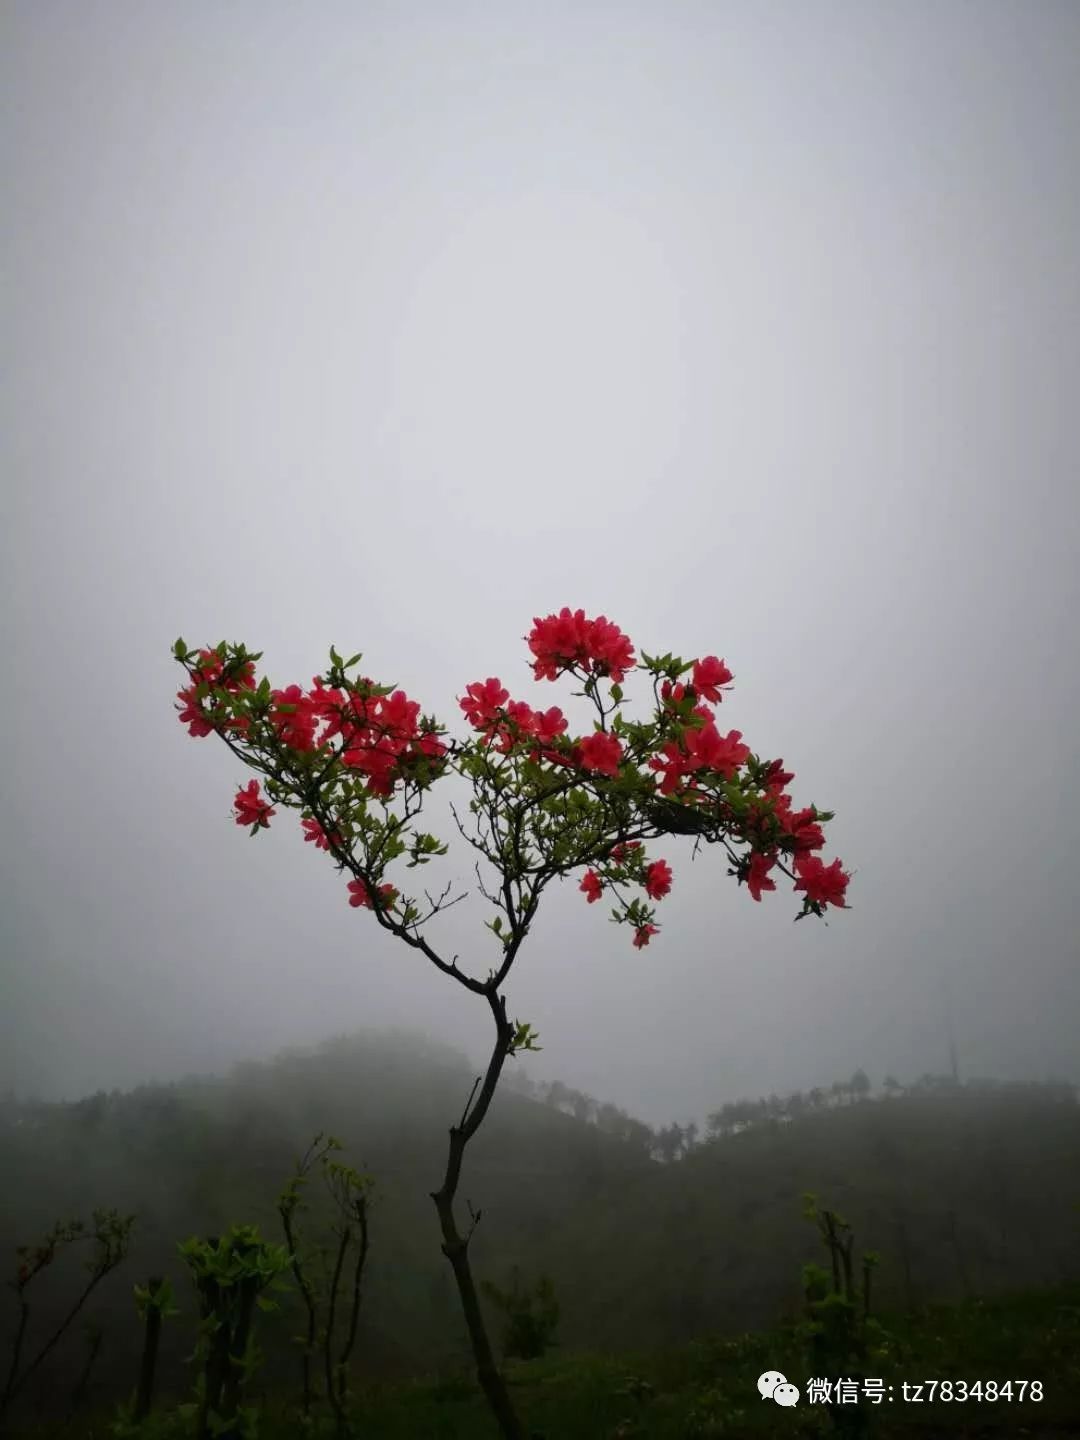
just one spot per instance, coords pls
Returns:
(616, 693)
(180, 650)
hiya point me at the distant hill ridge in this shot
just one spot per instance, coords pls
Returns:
(650, 1236)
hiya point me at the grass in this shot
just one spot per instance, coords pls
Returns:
(709, 1388)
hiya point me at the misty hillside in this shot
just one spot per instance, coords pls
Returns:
(964, 1191)
(507, 508)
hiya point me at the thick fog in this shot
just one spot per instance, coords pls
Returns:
(754, 327)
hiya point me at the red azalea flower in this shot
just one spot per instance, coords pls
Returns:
(522, 716)
(601, 752)
(191, 713)
(483, 700)
(314, 831)
(429, 744)
(208, 671)
(672, 763)
(396, 715)
(826, 884)
(378, 761)
(251, 808)
(591, 886)
(326, 705)
(804, 830)
(557, 641)
(520, 722)
(658, 880)
(211, 669)
(295, 726)
(776, 777)
(548, 724)
(597, 646)
(757, 878)
(360, 895)
(610, 651)
(239, 678)
(708, 749)
(709, 674)
(644, 935)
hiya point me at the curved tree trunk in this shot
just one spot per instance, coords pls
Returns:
(456, 1246)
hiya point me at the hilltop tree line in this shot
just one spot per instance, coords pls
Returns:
(668, 1143)
(665, 1143)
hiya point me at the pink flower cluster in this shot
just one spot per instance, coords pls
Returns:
(380, 733)
(381, 737)
(657, 882)
(596, 646)
(489, 709)
(384, 738)
(210, 671)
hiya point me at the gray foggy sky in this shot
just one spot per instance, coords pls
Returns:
(755, 327)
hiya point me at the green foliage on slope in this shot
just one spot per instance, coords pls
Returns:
(965, 1191)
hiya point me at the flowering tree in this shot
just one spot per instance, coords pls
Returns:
(356, 759)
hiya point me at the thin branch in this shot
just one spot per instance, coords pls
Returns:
(465, 1112)
(360, 1212)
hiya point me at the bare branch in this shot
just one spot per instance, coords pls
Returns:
(465, 1112)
